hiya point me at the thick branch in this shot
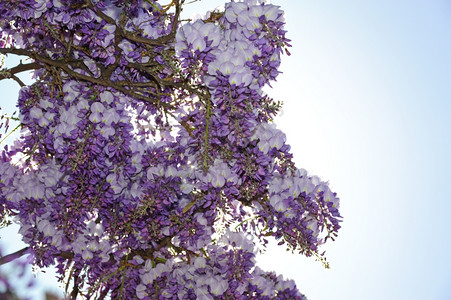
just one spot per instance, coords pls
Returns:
(9, 73)
(15, 51)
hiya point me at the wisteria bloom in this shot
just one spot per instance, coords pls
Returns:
(148, 164)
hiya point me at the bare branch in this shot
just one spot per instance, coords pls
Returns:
(17, 79)
(10, 257)
(15, 51)
(9, 73)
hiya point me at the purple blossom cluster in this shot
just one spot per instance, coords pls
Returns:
(227, 271)
(148, 165)
(244, 46)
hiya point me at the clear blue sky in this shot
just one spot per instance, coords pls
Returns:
(367, 94)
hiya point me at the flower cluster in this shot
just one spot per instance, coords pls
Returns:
(244, 46)
(227, 271)
(146, 140)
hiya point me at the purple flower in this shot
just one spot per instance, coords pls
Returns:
(97, 110)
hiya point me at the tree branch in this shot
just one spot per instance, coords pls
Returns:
(10, 73)
(17, 79)
(10, 257)
(64, 65)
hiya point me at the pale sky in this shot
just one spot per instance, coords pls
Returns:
(367, 93)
